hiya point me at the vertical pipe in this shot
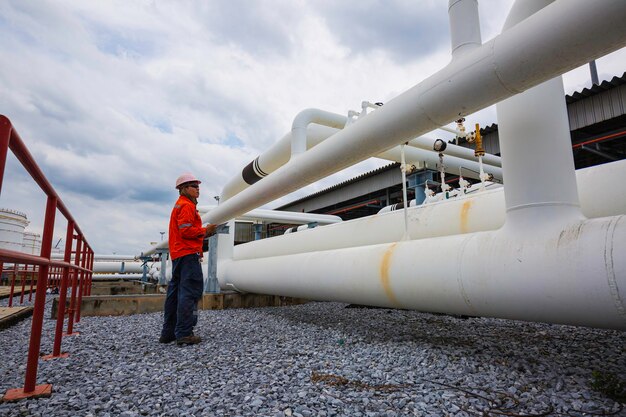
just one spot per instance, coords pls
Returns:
(82, 280)
(464, 26)
(67, 257)
(90, 267)
(594, 73)
(70, 311)
(212, 285)
(5, 138)
(40, 297)
(12, 285)
(534, 129)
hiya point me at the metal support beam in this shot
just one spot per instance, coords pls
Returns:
(600, 153)
(212, 285)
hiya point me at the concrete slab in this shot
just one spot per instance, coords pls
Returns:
(5, 291)
(123, 305)
(11, 315)
(122, 287)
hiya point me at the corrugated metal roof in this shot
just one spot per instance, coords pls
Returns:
(596, 89)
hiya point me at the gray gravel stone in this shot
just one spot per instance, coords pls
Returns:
(317, 359)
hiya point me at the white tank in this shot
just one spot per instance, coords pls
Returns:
(31, 243)
(12, 225)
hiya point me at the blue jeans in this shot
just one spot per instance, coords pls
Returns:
(183, 293)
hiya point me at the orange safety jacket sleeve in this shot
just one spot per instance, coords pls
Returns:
(189, 223)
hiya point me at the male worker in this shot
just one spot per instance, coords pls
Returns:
(185, 288)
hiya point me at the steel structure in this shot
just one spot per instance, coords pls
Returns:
(79, 269)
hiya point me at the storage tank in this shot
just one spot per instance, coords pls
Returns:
(31, 243)
(12, 225)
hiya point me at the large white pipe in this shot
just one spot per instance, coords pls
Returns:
(276, 156)
(120, 267)
(97, 277)
(534, 132)
(103, 257)
(527, 54)
(572, 275)
(464, 26)
(288, 217)
(279, 153)
(480, 211)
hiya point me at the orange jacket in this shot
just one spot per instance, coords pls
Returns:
(186, 231)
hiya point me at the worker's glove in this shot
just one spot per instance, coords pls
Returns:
(210, 229)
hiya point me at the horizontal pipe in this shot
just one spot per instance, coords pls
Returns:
(120, 267)
(526, 55)
(429, 159)
(423, 142)
(301, 123)
(478, 211)
(515, 275)
(288, 217)
(97, 277)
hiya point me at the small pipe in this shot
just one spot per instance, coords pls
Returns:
(457, 132)
(593, 69)
(404, 193)
(464, 26)
(302, 121)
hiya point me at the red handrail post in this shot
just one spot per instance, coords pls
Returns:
(40, 304)
(5, 138)
(58, 334)
(12, 285)
(32, 279)
(70, 311)
(83, 275)
(23, 280)
(91, 260)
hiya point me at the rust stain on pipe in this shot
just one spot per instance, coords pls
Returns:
(464, 215)
(384, 274)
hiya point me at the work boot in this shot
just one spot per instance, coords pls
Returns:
(188, 340)
(166, 339)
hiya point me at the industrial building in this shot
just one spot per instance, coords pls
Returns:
(597, 119)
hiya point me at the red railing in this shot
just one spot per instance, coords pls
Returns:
(80, 268)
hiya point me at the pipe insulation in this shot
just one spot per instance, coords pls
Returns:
(288, 217)
(118, 267)
(426, 143)
(464, 26)
(527, 54)
(478, 211)
(572, 275)
(279, 154)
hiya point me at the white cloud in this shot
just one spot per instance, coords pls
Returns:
(115, 99)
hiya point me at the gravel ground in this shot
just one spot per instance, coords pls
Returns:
(320, 359)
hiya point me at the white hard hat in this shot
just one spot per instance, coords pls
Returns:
(187, 177)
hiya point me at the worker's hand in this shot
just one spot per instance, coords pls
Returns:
(210, 229)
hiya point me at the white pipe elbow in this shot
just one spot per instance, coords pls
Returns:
(307, 116)
(464, 26)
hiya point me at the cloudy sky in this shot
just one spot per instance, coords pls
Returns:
(115, 98)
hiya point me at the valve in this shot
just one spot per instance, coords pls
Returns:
(440, 145)
(479, 142)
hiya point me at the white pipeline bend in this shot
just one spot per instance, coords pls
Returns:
(306, 117)
(570, 275)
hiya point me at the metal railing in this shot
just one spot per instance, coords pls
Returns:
(78, 266)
